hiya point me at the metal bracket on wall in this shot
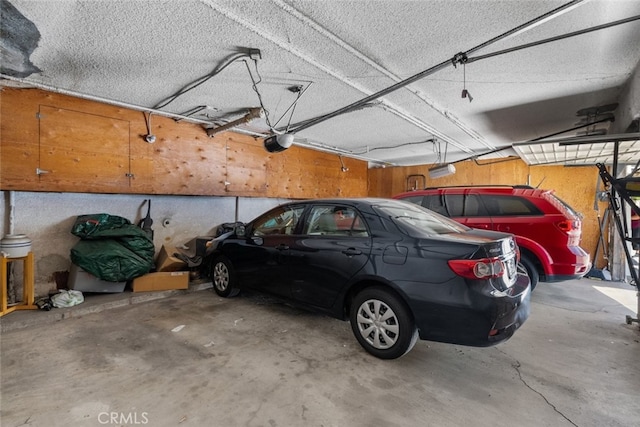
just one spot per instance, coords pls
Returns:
(417, 178)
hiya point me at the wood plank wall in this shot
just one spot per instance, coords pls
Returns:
(91, 147)
(574, 185)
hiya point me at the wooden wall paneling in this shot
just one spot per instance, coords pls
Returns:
(83, 152)
(505, 171)
(354, 182)
(327, 181)
(185, 160)
(246, 162)
(304, 173)
(19, 150)
(389, 181)
(182, 161)
(141, 155)
(285, 174)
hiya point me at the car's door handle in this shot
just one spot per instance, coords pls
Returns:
(352, 252)
(282, 247)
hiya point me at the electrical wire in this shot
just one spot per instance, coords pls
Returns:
(391, 147)
(199, 81)
(147, 119)
(254, 85)
(297, 125)
(300, 91)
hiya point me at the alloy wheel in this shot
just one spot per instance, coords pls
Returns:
(221, 276)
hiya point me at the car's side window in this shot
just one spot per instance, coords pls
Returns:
(509, 206)
(465, 205)
(281, 221)
(334, 221)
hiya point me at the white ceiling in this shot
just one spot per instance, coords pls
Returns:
(141, 52)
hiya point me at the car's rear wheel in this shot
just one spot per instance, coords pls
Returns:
(530, 267)
(382, 323)
(223, 277)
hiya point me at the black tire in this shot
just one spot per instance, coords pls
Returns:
(532, 271)
(223, 277)
(382, 323)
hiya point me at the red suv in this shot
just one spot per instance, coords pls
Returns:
(547, 230)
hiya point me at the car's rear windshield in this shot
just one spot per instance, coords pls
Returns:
(417, 221)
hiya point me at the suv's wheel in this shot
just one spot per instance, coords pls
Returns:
(528, 265)
(223, 277)
(382, 324)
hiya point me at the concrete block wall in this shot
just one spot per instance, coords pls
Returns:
(47, 219)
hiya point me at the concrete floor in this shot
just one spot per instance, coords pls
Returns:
(194, 359)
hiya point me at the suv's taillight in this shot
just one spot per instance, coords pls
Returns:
(485, 268)
(568, 225)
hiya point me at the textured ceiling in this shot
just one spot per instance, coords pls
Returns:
(331, 54)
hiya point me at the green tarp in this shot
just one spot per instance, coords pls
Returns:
(111, 248)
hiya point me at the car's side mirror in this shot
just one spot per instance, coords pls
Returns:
(241, 230)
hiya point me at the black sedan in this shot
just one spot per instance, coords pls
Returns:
(396, 270)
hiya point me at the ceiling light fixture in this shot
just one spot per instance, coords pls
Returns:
(442, 171)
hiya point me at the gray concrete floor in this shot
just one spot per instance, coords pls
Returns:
(194, 359)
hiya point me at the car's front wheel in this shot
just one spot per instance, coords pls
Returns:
(382, 323)
(223, 277)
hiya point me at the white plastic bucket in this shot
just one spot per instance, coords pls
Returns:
(15, 245)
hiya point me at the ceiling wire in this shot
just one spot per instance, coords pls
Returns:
(201, 80)
(303, 122)
(456, 59)
(391, 147)
(254, 86)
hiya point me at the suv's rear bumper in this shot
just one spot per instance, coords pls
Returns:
(569, 269)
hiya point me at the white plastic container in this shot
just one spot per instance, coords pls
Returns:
(15, 245)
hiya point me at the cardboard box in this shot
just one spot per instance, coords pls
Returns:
(161, 281)
(167, 262)
(82, 281)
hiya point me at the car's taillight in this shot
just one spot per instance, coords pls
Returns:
(485, 268)
(568, 225)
